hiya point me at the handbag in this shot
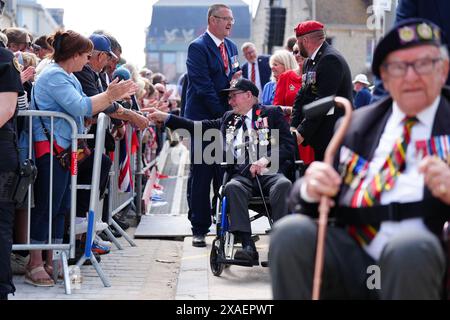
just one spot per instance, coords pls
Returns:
(65, 157)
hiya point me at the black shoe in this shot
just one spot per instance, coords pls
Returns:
(121, 222)
(198, 241)
(115, 233)
(249, 254)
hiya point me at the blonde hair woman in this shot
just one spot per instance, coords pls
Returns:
(280, 61)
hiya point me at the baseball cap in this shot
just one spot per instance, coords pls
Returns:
(102, 43)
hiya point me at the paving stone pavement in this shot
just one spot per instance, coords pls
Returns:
(148, 271)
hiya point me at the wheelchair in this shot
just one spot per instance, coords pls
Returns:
(223, 246)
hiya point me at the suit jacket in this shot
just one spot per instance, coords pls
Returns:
(263, 67)
(284, 147)
(207, 77)
(362, 137)
(328, 74)
(433, 10)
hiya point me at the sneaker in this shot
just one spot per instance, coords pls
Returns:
(81, 225)
(100, 249)
(159, 204)
(157, 192)
(121, 222)
(18, 263)
(157, 198)
(103, 243)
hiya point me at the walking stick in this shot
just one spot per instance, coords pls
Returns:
(324, 206)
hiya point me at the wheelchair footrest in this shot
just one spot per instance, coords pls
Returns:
(241, 263)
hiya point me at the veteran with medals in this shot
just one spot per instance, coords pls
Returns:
(257, 140)
(390, 186)
(325, 73)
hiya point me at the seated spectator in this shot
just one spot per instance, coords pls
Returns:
(363, 96)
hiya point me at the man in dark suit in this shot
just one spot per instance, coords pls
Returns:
(252, 137)
(212, 62)
(392, 204)
(326, 73)
(257, 68)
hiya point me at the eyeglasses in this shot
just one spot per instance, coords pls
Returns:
(421, 66)
(233, 95)
(296, 52)
(227, 19)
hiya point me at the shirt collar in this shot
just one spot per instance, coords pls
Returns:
(426, 117)
(313, 56)
(216, 40)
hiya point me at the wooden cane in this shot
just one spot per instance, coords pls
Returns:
(324, 206)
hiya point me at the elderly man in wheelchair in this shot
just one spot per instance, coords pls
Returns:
(259, 147)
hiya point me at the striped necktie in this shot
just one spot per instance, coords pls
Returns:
(383, 180)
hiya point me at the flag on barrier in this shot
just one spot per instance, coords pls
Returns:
(125, 181)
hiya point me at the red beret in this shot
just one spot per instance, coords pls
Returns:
(308, 27)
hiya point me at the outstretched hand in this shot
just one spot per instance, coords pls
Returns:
(155, 115)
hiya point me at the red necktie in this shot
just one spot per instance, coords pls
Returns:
(223, 52)
(253, 75)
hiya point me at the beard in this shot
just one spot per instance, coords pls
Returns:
(303, 51)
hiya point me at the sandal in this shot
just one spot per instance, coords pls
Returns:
(49, 269)
(31, 278)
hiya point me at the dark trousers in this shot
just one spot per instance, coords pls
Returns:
(240, 189)
(198, 197)
(411, 265)
(60, 198)
(6, 229)
(85, 177)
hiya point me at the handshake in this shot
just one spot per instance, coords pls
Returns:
(155, 115)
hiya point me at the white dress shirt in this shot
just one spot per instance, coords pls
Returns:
(239, 141)
(409, 184)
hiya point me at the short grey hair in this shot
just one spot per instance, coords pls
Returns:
(247, 45)
(216, 7)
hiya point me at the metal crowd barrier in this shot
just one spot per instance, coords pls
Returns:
(119, 200)
(60, 251)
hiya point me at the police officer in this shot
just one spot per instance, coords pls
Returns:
(325, 73)
(10, 86)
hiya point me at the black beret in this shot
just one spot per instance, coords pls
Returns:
(406, 34)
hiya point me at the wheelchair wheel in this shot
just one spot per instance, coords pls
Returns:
(216, 267)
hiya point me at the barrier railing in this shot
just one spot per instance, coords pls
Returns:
(117, 200)
(59, 250)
